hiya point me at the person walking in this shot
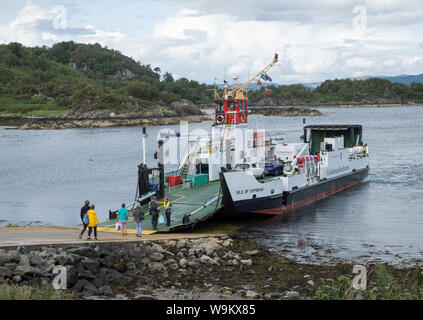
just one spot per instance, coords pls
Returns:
(84, 211)
(92, 222)
(168, 210)
(154, 211)
(138, 214)
(123, 219)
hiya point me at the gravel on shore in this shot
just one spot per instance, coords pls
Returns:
(25, 123)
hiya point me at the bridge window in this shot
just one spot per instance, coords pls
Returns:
(242, 106)
(231, 106)
(219, 107)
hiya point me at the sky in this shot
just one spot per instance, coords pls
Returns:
(207, 39)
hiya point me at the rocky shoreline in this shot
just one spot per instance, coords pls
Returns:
(53, 123)
(128, 114)
(285, 111)
(25, 123)
(367, 105)
(213, 267)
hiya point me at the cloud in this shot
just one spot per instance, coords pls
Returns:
(241, 46)
(305, 11)
(35, 25)
(204, 39)
(318, 43)
(195, 34)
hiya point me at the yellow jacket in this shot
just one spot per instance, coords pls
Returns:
(92, 218)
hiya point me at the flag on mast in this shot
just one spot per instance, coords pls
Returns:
(265, 77)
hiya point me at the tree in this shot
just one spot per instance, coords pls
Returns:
(16, 48)
(167, 77)
(417, 87)
(42, 62)
(6, 75)
(61, 52)
(143, 90)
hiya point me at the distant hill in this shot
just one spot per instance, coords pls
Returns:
(361, 90)
(405, 79)
(88, 80)
(311, 85)
(74, 80)
(98, 62)
(340, 91)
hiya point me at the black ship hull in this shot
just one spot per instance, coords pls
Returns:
(281, 203)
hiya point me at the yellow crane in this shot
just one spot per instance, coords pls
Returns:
(238, 91)
(231, 104)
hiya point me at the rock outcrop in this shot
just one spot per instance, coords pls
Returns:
(107, 270)
(285, 111)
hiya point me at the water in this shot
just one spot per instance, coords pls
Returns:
(45, 176)
(379, 220)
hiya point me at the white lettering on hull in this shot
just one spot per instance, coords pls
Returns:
(246, 191)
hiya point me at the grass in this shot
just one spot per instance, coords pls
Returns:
(15, 292)
(383, 283)
(15, 108)
(12, 225)
(331, 289)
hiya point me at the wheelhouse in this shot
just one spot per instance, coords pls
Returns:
(315, 135)
(231, 111)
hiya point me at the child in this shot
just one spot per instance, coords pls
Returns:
(92, 222)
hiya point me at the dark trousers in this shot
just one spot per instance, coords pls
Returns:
(168, 212)
(154, 220)
(84, 227)
(90, 229)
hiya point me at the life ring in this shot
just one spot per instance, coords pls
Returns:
(220, 119)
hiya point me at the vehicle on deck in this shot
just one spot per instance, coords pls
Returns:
(273, 167)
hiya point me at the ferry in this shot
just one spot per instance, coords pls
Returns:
(236, 168)
(330, 158)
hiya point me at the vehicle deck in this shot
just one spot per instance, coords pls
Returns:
(200, 201)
